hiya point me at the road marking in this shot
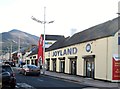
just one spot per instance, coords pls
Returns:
(40, 80)
(24, 85)
(16, 86)
(90, 88)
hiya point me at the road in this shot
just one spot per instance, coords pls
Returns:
(42, 81)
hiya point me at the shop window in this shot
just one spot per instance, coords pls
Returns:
(62, 66)
(118, 40)
(73, 67)
(32, 62)
(48, 65)
(34, 56)
(54, 65)
(28, 62)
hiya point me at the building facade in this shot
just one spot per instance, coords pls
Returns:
(92, 53)
(31, 59)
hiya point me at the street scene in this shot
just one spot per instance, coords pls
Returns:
(47, 81)
(35, 82)
(51, 80)
(69, 44)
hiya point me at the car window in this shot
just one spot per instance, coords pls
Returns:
(3, 70)
(7, 68)
(24, 66)
(32, 67)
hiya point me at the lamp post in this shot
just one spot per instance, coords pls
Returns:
(43, 22)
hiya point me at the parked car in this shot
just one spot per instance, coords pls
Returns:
(8, 77)
(30, 69)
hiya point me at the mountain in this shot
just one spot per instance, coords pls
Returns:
(13, 36)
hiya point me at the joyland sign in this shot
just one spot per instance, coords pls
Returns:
(68, 51)
(116, 67)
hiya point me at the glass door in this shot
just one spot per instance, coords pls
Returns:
(54, 65)
(62, 66)
(90, 69)
(73, 67)
(48, 65)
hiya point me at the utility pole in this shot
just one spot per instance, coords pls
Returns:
(19, 53)
(43, 22)
(8, 51)
(11, 52)
(19, 44)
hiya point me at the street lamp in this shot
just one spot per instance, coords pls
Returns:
(43, 22)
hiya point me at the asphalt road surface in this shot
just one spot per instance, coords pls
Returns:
(42, 81)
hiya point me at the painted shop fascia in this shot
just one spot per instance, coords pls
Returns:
(66, 51)
(70, 51)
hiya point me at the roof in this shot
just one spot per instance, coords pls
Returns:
(52, 37)
(22, 50)
(105, 29)
(60, 43)
(34, 51)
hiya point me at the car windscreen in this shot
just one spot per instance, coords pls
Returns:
(7, 68)
(32, 66)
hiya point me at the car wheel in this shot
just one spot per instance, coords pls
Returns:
(38, 74)
(25, 73)
(12, 87)
(20, 72)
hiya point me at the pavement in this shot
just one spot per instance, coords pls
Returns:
(82, 80)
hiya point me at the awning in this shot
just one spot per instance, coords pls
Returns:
(88, 56)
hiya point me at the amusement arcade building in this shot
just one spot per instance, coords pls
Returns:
(91, 53)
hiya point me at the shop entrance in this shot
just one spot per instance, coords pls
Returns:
(36, 62)
(90, 69)
(62, 66)
(54, 65)
(89, 65)
(73, 66)
(48, 64)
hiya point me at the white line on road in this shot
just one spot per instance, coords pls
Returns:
(40, 80)
(24, 85)
(90, 88)
(16, 86)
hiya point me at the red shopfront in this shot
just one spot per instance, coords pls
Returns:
(115, 67)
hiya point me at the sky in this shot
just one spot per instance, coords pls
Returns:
(68, 15)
